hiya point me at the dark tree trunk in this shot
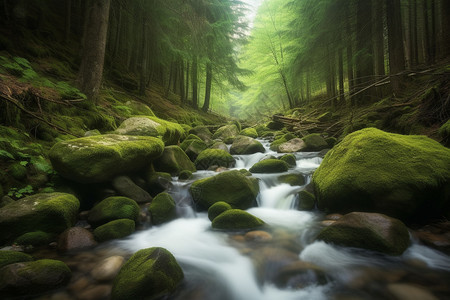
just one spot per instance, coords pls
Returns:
(208, 87)
(341, 77)
(378, 44)
(68, 20)
(396, 52)
(195, 83)
(143, 65)
(432, 39)
(93, 52)
(445, 4)
(182, 83)
(350, 78)
(413, 32)
(187, 80)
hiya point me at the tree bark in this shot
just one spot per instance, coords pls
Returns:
(445, 15)
(208, 87)
(187, 81)
(341, 76)
(396, 52)
(68, 21)
(93, 53)
(195, 83)
(378, 44)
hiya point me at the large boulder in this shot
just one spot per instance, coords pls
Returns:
(314, 142)
(113, 208)
(214, 157)
(225, 132)
(33, 277)
(170, 132)
(162, 209)
(251, 132)
(50, 212)
(202, 132)
(294, 145)
(173, 161)
(116, 229)
(151, 273)
(76, 238)
(279, 140)
(406, 177)
(236, 219)
(100, 158)
(194, 148)
(246, 145)
(8, 257)
(126, 187)
(371, 231)
(270, 165)
(231, 187)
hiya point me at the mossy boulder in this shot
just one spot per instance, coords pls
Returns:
(289, 159)
(306, 200)
(173, 161)
(114, 230)
(49, 212)
(280, 139)
(100, 158)
(227, 131)
(219, 145)
(314, 142)
(202, 132)
(185, 175)
(157, 182)
(194, 148)
(269, 166)
(151, 273)
(231, 187)
(217, 208)
(273, 125)
(9, 257)
(251, 132)
(292, 179)
(17, 171)
(236, 219)
(214, 157)
(170, 132)
(246, 145)
(125, 186)
(325, 117)
(162, 209)
(406, 177)
(293, 145)
(370, 231)
(331, 141)
(113, 208)
(35, 238)
(33, 277)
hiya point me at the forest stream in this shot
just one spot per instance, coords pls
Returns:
(281, 262)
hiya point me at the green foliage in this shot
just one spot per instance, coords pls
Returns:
(21, 192)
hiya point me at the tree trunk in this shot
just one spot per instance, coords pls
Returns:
(143, 65)
(351, 82)
(432, 40)
(195, 83)
(182, 83)
(378, 44)
(445, 14)
(93, 53)
(187, 81)
(208, 87)
(425, 33)
(396, 52)
(68, 21)
(413, 32)
(341, 77)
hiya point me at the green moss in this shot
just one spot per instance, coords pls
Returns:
(307, 200)
(195, 148)
(18, 171)
(314, 142)
(275, 125)
(35, 238)
(157, 182)
(171, 132)
(280, 140)
(236, 219)
(270, 166)
(325, 117)
(226, 131)
(217, 208)
(371, 170)
(292, 179)
(231, 187)
(10, 257)
(185, 175)
(173, 161)
(113, 208)
(331, 141)
(114, 230)
(192, 137)
(251, 132)
(162, 209)
(214, 157)
(202, 132)
(149, 274)
(49, 212)
(246, 145)
(289, 159)
(444, 130)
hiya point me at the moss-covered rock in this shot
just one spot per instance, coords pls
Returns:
(35, 238)
(114, 230)
(226, 131)
(371, 231)
(157, 182)
(406, 177)
(331, 141)
(270, 166)
(325, 117)
(17, 171)
(33, 277)
(185, 175)
(214, 157)
(194, 148)
(151, 273)
(100, 158)
(275, 125)
(9, 257)
(236, 219)
(293, 145)
(202, 132)
(306, 200)
(126, 187)
(292, 179)
(49, 212)
(113, 208)
(219, 145)
(162, 209)
(314, 142)
(246, 145)
(173, 161)
(283, 138)
(289, 159)
(192, 137)
(217, 208)
(231, 187)
(251, 132)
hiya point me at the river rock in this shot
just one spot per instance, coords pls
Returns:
(314, 142)
(76, 238)
(102, 291)
(126, 187)
(246, 145)
(33, 277)
(170, 132)
(270, 166)
(113, 208)
(162, 209)
(292, 179)
(403, 291)
(186, 142)
(108, 268)
(251, 132)
(299, 274)
(202, 132)
(406, 177)
(258, 236)
(217, 208)
(9, 257)
(149, 274)
(173, 161)
(35, 238)
(194, 148)
(225, 132)
(48, 212)
(214, 157)
(281, 139)
(220, 145)
(116, 229)
(294, 145)
(370, 231)
(231, 187)
(100, 158)
(289, 159)
(236, 219)
(306, 200)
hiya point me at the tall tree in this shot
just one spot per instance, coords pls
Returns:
(396, 51)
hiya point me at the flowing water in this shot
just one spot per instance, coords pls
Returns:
(220, 265)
